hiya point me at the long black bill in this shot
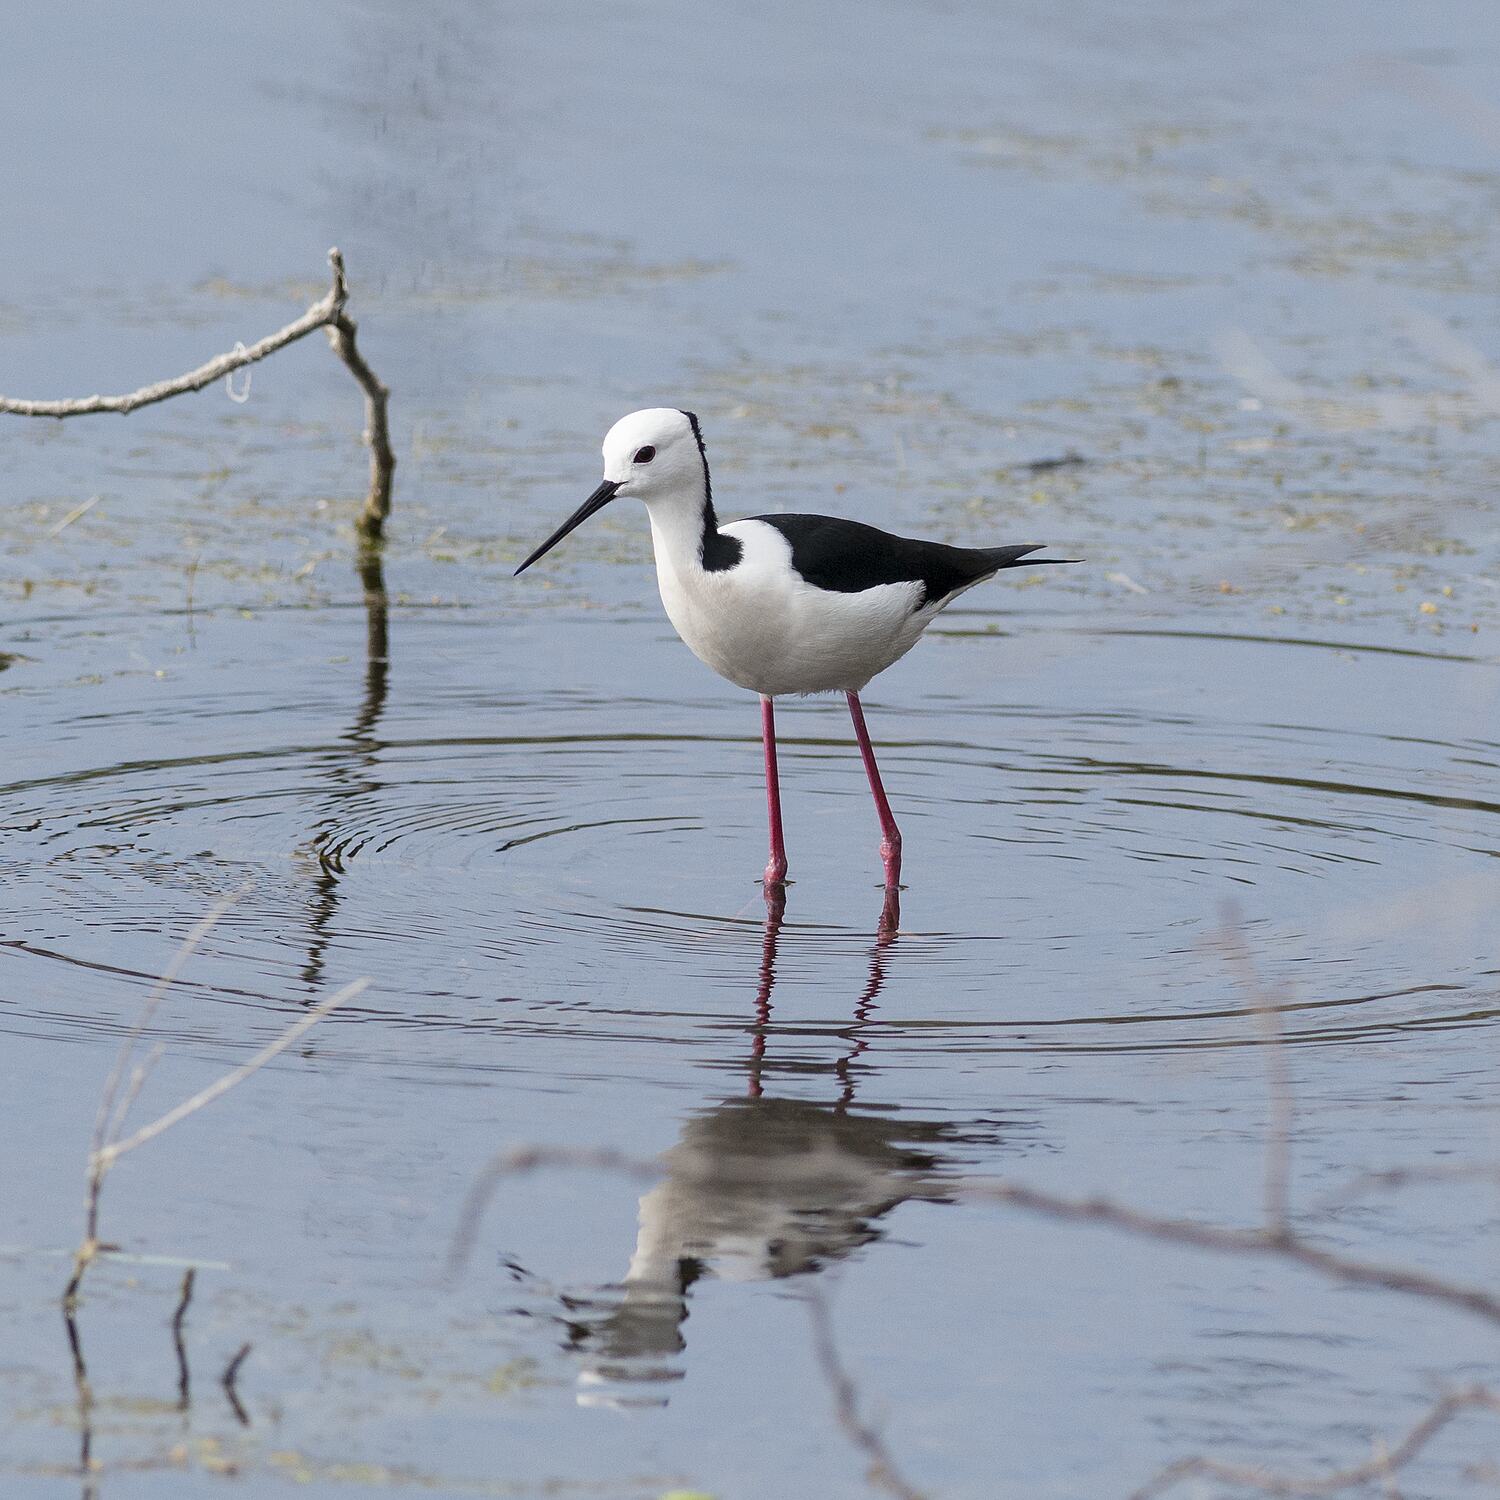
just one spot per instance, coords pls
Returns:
(597, 501)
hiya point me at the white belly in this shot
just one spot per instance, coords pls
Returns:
(766, 630)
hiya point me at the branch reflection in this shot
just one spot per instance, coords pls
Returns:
(352, 770)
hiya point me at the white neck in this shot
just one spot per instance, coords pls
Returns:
(679, 522)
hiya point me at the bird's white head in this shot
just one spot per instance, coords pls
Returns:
(654, 455)
(654, 452)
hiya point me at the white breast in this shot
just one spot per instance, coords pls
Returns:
(761, 626)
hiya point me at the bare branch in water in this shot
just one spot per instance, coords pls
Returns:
(329, 312)
(319, 315)
(341, 338)
(882, 1473)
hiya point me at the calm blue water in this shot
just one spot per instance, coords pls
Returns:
(1241, 262)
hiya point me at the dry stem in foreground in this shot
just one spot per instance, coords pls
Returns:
(109, 1141)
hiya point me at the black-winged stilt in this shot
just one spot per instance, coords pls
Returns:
(781, 604)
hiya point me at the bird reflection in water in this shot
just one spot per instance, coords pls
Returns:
(757, 1188)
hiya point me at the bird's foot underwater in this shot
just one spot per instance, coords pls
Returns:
(890, 915)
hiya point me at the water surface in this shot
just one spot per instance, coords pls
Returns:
(1236, 269)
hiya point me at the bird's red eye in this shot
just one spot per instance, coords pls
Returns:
(645, 455)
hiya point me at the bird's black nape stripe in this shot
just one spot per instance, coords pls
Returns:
(708, 484)
(719, 552)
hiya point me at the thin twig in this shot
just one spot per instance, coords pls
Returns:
(517, 1162)
(184, 1389)
(1383, 1465)
(228, 1379)
(1267, 1007)
(192, 576)
(84, 1391)
(882, 1473)
(138, 1076)
(107, 1121)
(109, 1118)
(1388, 1179)
(319, 315)
(341, 338)
(112, 1151)
(1388, 1482)
(327, 312)
(1277, 1244)
(81, 509)
(109, 1147)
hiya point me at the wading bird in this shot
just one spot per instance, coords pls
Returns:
(781, 604)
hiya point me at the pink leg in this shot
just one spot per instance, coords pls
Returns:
(776, 869)
(890, 843)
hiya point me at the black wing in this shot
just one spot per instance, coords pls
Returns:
(846, 557)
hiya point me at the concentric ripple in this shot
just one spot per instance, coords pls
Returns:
(581, 875)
